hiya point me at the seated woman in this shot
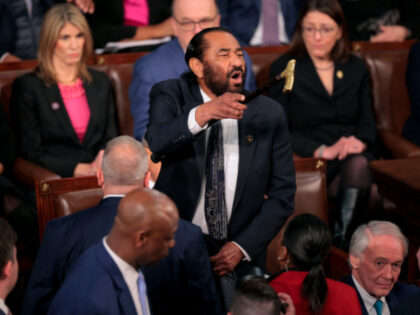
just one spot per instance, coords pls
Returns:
(411, 130)
(64, 112)
(329, 109)
(305, 245)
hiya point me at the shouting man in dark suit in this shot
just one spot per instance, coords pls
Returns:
(248, 152)
(377, 251)
(175, 280)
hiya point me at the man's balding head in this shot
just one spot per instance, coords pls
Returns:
(144, 226)
(186, 15)
(124, 162)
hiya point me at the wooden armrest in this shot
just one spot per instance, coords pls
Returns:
(28, 172)
(399, 147)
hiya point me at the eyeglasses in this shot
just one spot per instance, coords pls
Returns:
(189, 25)
(323, 31)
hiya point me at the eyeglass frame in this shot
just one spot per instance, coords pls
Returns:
(194, 23)
(321, 31)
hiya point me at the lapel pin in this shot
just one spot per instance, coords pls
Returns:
(340, 74)
(55, 106)
(249, 138)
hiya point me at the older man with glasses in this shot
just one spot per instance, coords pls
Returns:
(167, 62)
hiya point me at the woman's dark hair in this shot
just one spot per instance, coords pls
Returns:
(308, 241)
(332, 8)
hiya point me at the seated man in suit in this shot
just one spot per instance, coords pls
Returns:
(377, 251)
(176, 280)
(9, 267)
(167, 62)
(107, 279)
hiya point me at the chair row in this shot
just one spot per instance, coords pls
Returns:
(60, 197)
(386, 63)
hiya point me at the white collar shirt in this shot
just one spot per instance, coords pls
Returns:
(130, 276)
(369, 300)
(231, 165)
(3, 307)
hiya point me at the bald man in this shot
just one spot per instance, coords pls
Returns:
(167, 62)
(175, 280)
(105, 278)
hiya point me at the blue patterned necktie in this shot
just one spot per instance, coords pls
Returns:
(214, 200)
(142, 294)
(270, 21)
(378, 307)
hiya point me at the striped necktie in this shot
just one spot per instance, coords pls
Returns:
(270, 20)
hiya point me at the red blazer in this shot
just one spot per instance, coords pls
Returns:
(341, 298)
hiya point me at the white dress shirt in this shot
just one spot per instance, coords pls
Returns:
(369, 300)
(257, 38)
(130, 276)
(4, 307)
(231, 166)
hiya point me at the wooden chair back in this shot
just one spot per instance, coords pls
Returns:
(310, 197)
(58, 197)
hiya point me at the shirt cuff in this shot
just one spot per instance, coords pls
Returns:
(193, 126)
(247, 257)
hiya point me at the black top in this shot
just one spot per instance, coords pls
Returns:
(45, 133)
(314, 116)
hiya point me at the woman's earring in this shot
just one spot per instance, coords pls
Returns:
(286, 266)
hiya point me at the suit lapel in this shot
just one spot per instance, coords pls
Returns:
(312, 75)
(122, 292)
(93, 111)
(199, 142)
(247, 140)
(55, 100)
(349, 281)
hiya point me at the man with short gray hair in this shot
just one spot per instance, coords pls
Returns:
(377, 252)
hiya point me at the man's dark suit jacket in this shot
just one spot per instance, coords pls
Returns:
(265, 162)
(107, 22)
(44, 130)
(398, 294)
(241, 17)
(411, 129)
(181, 281)
(94, 285)
(7, 28)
